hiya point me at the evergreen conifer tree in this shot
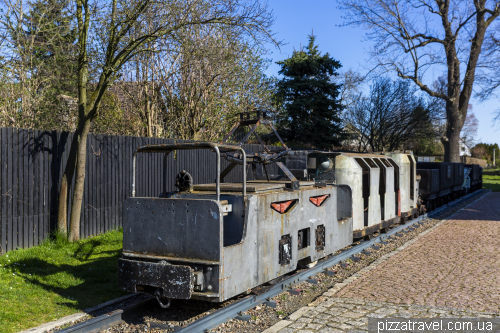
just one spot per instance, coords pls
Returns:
(49, 46)
(307, 98)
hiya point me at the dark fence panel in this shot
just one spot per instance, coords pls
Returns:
(32, 163)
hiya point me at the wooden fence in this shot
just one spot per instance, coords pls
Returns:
(33, 162)
(472, 160)
(440, 158)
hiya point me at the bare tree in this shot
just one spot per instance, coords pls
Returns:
(391, 117)
(350, 83)
(118, 21)
(412, 36)
(216, 77)
(193, 87)
(469, 131)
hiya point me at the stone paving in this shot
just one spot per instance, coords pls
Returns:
(449, 271)
(336, 315)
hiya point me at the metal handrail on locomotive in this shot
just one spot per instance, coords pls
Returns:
(215, 241)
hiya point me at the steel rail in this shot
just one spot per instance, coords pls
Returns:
(108, 319)
(231, 311)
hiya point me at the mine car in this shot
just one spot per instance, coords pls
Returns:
(410, 204)
(475, 176)
(441, 182)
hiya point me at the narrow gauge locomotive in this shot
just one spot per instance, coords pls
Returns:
(215, 241)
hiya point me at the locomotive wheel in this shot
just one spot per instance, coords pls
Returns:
(367, 237)
(384, 230)
(403, 220)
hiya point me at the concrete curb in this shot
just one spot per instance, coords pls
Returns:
(74, 317)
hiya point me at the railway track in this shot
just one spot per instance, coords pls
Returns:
(235, 309)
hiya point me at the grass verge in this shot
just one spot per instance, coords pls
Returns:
(56, 279)
(491, 183)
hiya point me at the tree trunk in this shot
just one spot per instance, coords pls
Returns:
(452, 144)
(451, 141)
(76, 204)
(62, 213)
(149, 117)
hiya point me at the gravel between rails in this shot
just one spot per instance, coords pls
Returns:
(181, 312)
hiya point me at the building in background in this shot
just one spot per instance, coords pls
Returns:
(465, 150)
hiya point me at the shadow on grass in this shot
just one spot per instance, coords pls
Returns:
(492, 186)
(89, 283)
(85, 250)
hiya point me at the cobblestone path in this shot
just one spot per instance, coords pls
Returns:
(449, 271)
(456, 266)
(336, 315)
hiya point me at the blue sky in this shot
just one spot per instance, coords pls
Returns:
(295, 20)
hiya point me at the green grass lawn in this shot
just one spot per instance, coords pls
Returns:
(56, 279)
(491, 183)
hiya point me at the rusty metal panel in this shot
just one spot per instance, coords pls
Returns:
(182, 228)
(176, 281)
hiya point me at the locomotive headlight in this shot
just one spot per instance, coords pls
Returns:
(325, 165)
